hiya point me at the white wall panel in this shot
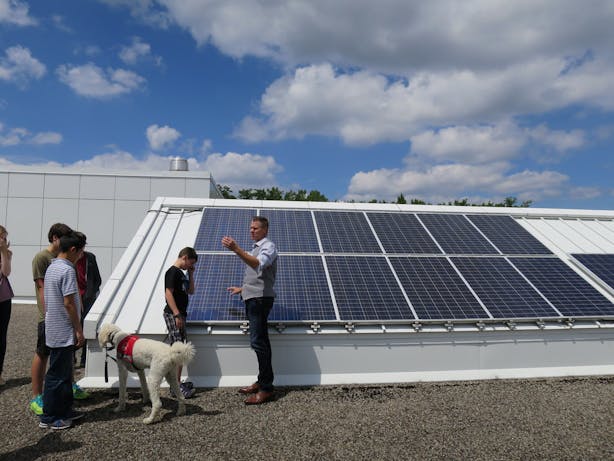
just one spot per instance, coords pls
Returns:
(3, 203)
(62, 186)
(24, 221)
(197, 187)
(21, 268)
(127, 215)
(132, 188)
(26, 185)
(59, 210)
(4, 184)
(167, 187)
(96, 221)
(97, 187)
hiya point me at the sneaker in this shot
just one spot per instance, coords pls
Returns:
(60, 424)
(187, 391)
(36, 405)
(79, 393)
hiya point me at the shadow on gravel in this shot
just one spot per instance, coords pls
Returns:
(49, 444)
(16, 382)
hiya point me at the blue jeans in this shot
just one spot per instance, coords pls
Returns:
(57, 393)
(257, 311)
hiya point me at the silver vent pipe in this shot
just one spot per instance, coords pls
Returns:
(179, 164)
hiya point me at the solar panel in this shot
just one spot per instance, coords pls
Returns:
(211, 300)
(292, 230)
(504, 292)
(507, 235)
(365, 289)
(456, 235)
(302, 290)
(435, 289)
(571, 294)
(345, 232)
(218, 222)
(402, 233)
(602, 265)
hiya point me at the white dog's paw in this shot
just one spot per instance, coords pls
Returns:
(148, 420)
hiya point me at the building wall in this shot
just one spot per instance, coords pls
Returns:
(107, 206)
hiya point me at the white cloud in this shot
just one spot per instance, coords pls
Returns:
(91, 81)
(160, 137)
(442, 183)
(365, 108)
(19, 66)
(137, 50)
(17, 136)
(15, 12)
(242, 170)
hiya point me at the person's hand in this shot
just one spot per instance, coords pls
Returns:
(229, 243)
(191, 270)
(234, 290)
(179, 321)
(79, 339)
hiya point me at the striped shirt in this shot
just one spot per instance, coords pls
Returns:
(60, 281)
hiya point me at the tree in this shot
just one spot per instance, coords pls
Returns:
(401, 199)
(226, 191)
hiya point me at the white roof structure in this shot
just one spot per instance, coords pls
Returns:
(376, 349)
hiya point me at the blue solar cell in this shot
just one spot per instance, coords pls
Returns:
(571, 294)
(219, 222)
(402, 233)
(456, 235)
(602, 265)
(435, 289)
(365, 289)
(211, 301)
(507, 235)
(292, 230)
(345, 232)
(302, 290)
(504, 292)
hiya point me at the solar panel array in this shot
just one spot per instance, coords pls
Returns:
(354, 266)
(602, 265)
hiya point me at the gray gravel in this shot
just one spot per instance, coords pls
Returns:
(508, 420)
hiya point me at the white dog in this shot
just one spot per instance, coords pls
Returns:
(136, 354)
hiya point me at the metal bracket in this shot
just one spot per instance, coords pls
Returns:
(244, 327)
(316, 327)
(417, 326)
(350, 327)
(209, 329)
(449, 326)
(570, 322)
(541, 324)
(511, 325)
(481, 326)
(280, 327)
(383, 328)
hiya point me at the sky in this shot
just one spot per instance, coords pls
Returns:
(360, 100)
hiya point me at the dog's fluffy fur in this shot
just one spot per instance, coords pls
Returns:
(162, 361)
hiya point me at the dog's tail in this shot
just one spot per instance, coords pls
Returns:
(182, 353)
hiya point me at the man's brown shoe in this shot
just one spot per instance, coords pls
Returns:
(251, 389)
(258, 398)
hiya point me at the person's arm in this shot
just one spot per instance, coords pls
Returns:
(71, 309)
(247, 258)
(40, 288)
(234, 290)
(5, 258)
(191, 280)
(170, 300)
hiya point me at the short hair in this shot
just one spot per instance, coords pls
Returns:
(189, 252)
(58, 230)
(3, 230)
(262, 220)
(73, 239)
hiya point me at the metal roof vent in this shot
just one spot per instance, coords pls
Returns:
(179, 164)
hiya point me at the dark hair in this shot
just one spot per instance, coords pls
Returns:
(262, 220)
(58, 230)
(189, 252)
(74, 239)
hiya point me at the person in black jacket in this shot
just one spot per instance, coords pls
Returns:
(89, 280)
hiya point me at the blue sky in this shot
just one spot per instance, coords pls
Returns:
(358, 99)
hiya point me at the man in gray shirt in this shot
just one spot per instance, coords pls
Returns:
(258, 294)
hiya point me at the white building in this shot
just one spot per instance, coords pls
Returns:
(108, 206)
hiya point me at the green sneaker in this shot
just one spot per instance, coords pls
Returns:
(36, 405)
(79, 393)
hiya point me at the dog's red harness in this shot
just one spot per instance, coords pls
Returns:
(124, 349)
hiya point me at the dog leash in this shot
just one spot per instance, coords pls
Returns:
(106, 362)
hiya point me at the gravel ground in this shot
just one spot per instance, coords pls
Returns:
(497, 420)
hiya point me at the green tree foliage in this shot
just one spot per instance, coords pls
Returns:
(275, 193)
(401, 199)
